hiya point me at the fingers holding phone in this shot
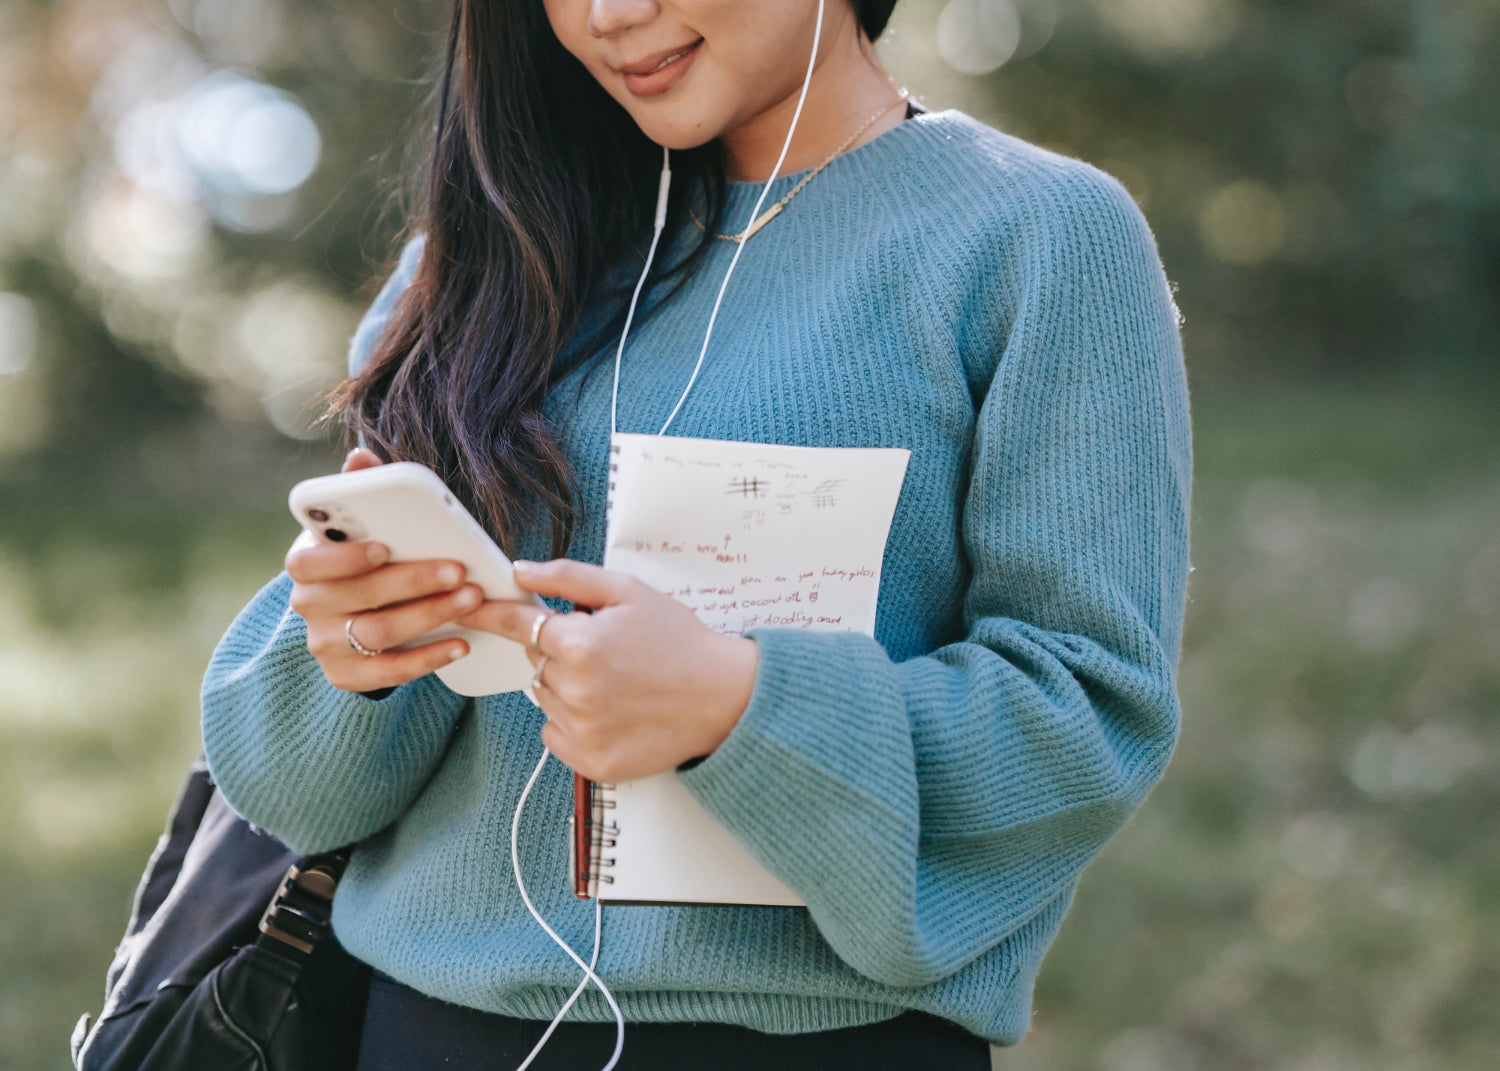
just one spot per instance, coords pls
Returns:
(338, 584)
(388, 561)
(349, 593)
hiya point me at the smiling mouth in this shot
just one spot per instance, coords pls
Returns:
(674, 56)
(652, 81)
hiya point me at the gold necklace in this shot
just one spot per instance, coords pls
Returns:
(771, 213)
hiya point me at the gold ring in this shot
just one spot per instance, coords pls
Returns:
(349, 635)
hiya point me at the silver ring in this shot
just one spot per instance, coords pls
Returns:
(536, 678)
(349, 635)
(536, 630)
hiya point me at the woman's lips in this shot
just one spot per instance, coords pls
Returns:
(663, 78)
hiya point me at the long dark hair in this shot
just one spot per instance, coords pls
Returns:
(538, 182)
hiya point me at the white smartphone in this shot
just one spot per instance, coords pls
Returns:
(407, 507)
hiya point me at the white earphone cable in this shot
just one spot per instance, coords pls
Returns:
(658, 225)
(739, 246)
(588, 968)
(660, 222)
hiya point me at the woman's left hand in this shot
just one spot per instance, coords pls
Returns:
(634, 688)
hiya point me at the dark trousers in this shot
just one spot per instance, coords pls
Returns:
(408, 1031)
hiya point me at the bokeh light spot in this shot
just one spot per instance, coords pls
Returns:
(274, 147)
(18, 333)
(1157, 29)
(1384, 95)
(143, 235)
(1243, 223)
(978, 36)
(1384, 613)
(245, 137)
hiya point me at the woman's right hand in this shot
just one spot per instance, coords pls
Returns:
(394, 603)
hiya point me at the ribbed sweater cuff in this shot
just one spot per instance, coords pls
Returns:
(316, 765)
(805, 684)
(816, 781)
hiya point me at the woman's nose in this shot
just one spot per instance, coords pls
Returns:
(607, 18)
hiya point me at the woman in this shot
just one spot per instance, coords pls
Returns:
(932, 792)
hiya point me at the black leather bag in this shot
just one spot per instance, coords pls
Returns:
(227, 963)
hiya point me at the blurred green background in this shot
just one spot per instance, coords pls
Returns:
(195, 208)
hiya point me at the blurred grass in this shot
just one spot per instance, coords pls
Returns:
(1315, 885)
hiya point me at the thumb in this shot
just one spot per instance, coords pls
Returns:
(582, 583)
(360, 458)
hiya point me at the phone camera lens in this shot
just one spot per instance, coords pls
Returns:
(318, 515)
(338, 535)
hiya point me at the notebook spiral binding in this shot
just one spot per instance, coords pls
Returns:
(609, 493)
(598, 835)
(589, 834)
(603, 834)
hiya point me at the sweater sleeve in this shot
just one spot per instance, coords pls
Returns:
(370, 325)
(315, 765)
(927, 809)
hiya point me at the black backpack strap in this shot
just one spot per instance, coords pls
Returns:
(165, 863)
(298, 914)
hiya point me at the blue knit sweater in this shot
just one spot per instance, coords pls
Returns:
(932, 792)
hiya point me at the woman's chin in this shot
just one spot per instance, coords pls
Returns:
(676, 138)
(677, 125)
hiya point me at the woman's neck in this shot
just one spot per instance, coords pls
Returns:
(848, 85)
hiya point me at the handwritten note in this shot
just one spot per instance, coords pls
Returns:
(746, 534)
(753, 534)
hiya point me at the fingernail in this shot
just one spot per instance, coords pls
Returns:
(455, 654)
(377, 552)
(448, 575)
(522, 566)
(466, 598)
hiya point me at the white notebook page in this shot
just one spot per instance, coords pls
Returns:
(745, 534)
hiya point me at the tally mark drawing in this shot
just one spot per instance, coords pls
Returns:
(748, 487)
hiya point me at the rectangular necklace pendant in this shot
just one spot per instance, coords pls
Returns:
(765, 217)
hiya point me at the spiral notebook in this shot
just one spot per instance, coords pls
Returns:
(745, 534)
